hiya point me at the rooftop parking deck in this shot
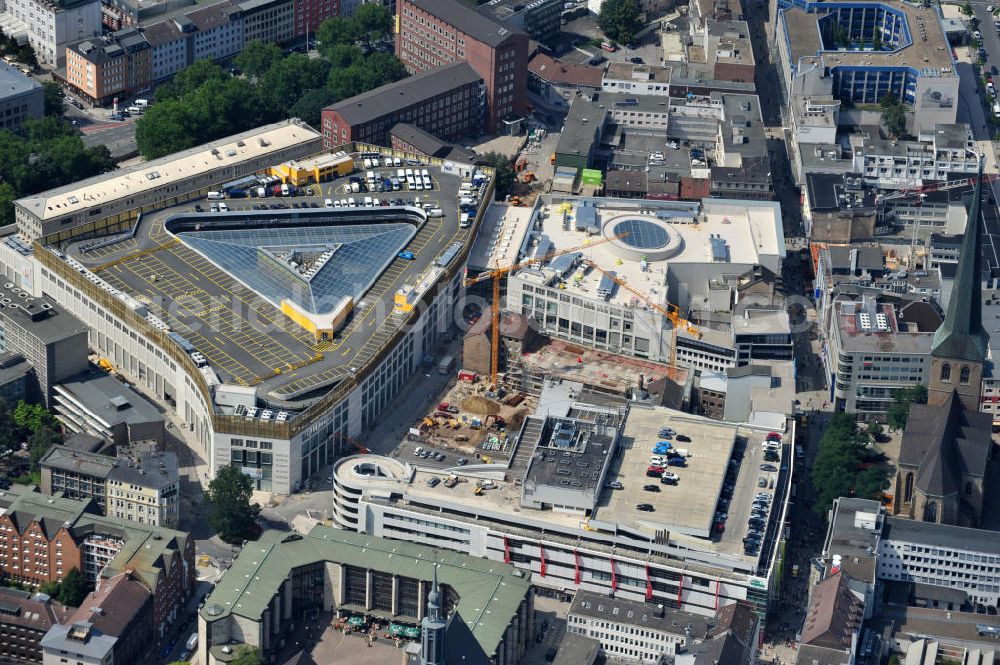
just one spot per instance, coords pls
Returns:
(242, 332)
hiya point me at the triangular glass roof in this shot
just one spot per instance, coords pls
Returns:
(313, 266)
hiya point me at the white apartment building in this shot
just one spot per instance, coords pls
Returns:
(51, 26)
(633, 632)
(876, 347)
(633, 79)
(219, 31)
(935, 155)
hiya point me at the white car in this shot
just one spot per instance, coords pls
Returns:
(656, 460)
(670, 475)
(977, 34)
(989, 8)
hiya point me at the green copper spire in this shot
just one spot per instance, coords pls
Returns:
(961, 336)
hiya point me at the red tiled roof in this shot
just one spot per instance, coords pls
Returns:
(556, 71)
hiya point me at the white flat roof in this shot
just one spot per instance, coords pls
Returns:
(747, 230)
(160, 173)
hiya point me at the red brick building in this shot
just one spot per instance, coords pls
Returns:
(446, 102)
(43, 537)
(310, 13)
(432, 33)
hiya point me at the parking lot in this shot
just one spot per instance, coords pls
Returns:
(688, 506)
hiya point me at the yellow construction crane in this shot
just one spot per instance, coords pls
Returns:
(499, 273)
(671, 312)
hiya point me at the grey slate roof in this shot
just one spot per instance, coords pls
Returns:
(962, 336)
(943, 443)
(403, 93)
(466, 20)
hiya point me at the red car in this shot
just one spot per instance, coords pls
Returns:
(773, 436)
(655, 471)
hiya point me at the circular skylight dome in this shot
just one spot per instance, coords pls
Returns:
(642, 233)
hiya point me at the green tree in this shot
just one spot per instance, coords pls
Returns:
(247, 655)
(373, 21)
(505, 175)
(50, 588)
(893, 116)
(40, 442)
(256, 58)
(230, 512)
(342, 56)
(53, 94)
(310, 105)
(7, 439)
(334, 31)
(899, 411)
(875, 430)
(619, 20)
(33, 417)
(74, 588)
(843, 466)
(190, 79)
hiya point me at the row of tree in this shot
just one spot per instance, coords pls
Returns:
(846, 464)
(49, 153)
(204, 102)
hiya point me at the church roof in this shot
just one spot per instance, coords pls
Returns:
(961, 336)
(945, 442)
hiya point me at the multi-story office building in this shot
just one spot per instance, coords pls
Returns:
(877, 346)
(24, 620)
(143, 487)
(268, 21)
(281, 447)
(51, 26)
(861, 52)
(541, 19)
(632, 79)
(43, 537)
(50, 338)
(310, 13)
(21, 98)
(941, 152)
(446, 102)
(901, 549)
(432, 33)
(661, 252)
(332, 570)
(116, 66)
(639, 632)
(558, 517)
(99, 404)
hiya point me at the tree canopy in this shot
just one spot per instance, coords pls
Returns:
(205, 102)
(53, 95)
(893, 116)
(845, 465)
(230, 512)
(505, 175)
(247, 655)
(47, 153)
(619, 20)
(73, 588)
(899, 411)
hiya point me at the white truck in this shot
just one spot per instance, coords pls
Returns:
(446, 364)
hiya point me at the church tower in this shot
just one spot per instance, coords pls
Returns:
(960, 345)
(433, 627)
